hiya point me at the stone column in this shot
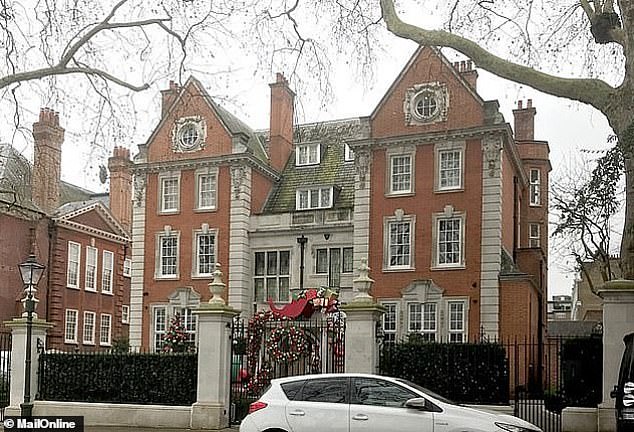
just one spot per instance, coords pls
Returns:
(618, 313)
(211, 410)
(240, 295)
(362, 316)
(18, 358)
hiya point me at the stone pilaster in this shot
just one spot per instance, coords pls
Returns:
(138, 261)
(240, 294)
(361, 215)
(491, 242)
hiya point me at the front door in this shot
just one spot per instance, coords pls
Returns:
(321, 405)
(378, 405)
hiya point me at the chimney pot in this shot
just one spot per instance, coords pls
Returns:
(519, 104)
(462, 66)
(529, 103)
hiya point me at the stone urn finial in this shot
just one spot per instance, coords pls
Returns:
(363, 283)
(217, 287)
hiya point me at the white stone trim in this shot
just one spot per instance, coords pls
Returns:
(361, 214)
(138, 263)
(491, 236)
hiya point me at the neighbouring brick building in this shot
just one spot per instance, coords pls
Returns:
(448, 205)
(85, 288)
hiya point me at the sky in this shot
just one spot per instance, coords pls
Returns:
(569, 127)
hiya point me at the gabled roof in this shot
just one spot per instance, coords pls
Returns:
(233, 125)
(16, 177)
(331, 171)
(407, 67)
(65, 214)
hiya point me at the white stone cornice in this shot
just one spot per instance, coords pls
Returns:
(75, 226)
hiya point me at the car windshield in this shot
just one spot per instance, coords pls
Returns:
(426, 391)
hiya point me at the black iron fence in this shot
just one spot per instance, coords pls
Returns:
(265, 347)
(540, 379)
(5, 371)
(137, 378)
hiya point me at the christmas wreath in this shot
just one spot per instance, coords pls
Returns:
(287, 344)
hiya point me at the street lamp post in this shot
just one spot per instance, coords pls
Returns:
(31, 271)
(302, 245)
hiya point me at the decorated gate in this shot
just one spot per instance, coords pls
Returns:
(305, 337)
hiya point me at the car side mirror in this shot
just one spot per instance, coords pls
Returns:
(417, 403)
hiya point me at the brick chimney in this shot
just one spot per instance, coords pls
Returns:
(47, 161)
(169, 95)
(525, 121)
(119, 166)
(468, 72)
(281, 125)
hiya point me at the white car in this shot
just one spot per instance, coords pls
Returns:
(361, 402)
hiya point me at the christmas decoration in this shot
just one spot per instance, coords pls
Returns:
(307, 302)
(176, 340)
(287, 344)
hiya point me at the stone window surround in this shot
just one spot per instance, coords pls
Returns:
(442, 315)
(90, 341)
(403, 150)
(68, 265)
(205, 229)
(213, 171)
(75, 324)
(161, 178)
(201, 127)
(412, 95)
(387, 220)
(181, 298)
(448, 213)
(444, 147)
(157, 254)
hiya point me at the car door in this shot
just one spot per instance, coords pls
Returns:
(379, 405)
(322, 404)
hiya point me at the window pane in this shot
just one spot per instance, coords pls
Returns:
(285, 262)
(449, 241)
(259, 263)
(303, 200)
(399, 244)
(106, 277)
(169, 255)
(259, 290)
(207, 191)
(347, 260)
(271, 289)
(285, 292)
(291, 389)
(325, 197)
(415, 317)
(450, 162)
(389, 317)
(322, 261)
(401, 174)
(169, 193)
(271, 263)
(331, 390)
(313, 157)
(429, 317)
(374, 392)
(206, 253)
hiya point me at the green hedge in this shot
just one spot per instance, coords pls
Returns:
(464, 373)
(163, 379)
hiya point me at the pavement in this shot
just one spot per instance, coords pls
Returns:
(137, 429)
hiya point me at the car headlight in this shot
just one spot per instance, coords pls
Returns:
(513, 428)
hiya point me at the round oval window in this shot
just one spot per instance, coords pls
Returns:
(189, 135)
(426, 105)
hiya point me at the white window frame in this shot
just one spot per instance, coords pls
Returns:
(462, 331)
(190, 324)
(127, 267)
(159, 255)
(89, 332)
(107, 272)
(200, 175)
(535, 191)
(390, 333)
(125, 314)
(74, 322)
(428, 328)
(410, 321)
(311, 152)
(162, 193)
(534, 237)
(268, 274)
(73, 265)
(387, 242)
(108, 340)
(159, 329)
(348, 153)
(436, 238)
(440, 150)
(308, 192)
(343, 269)
(391, 174)
(196, 255)
(91, 275)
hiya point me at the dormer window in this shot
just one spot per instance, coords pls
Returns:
(307, 154)
(314, 198)
(348, 154)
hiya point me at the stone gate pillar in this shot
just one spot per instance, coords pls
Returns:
(362, 316)
(618, 320)
(211, 410)
(18, 328)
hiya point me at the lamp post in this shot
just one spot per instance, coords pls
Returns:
(31, 271)
(302, 245)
